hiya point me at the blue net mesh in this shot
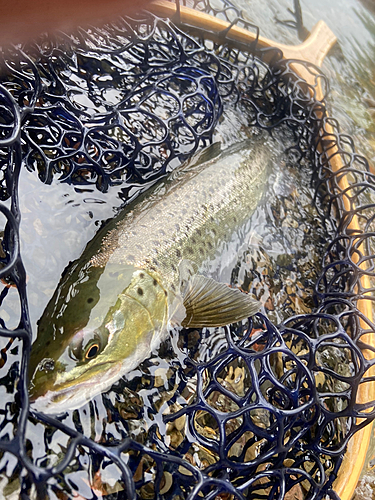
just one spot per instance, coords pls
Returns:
(262, 410)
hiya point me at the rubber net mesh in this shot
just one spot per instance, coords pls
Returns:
(237, 427)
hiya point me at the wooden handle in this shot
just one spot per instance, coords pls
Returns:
(313, 49)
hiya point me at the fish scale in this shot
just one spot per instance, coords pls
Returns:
(202, 206)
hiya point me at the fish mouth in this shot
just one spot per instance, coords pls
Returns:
(74, 396)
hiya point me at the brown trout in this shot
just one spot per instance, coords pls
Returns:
(139, 276)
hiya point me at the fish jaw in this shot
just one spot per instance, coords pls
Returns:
(59, 401)
(72, 397)
(130, 330)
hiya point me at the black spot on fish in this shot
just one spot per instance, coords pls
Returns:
(140, 291)
(141, 276)
(214, 232)
(178, 253)
(90, 300)
(189, 250)
(193, 240)
(209, 244)
(173, 267)
(201, 251)
(199, 232)
(165, 292)
(155, 283)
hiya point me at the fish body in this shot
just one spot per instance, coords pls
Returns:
(140, 275)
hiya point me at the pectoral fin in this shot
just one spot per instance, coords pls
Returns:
(209, 303)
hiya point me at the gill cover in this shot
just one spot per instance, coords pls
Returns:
(97, 318)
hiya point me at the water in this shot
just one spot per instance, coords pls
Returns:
(350, 69)
(350, 64)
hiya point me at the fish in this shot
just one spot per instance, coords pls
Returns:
(141, 275)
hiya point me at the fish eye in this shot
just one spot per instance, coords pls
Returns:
(85, 346)
(92, 351)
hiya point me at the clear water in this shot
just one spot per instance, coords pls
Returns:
(350, 68)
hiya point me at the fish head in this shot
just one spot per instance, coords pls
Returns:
(99, 325)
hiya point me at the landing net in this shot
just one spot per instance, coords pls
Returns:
(123, 105)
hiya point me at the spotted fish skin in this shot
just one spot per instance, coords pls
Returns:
(139, 275)
(190, 215)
